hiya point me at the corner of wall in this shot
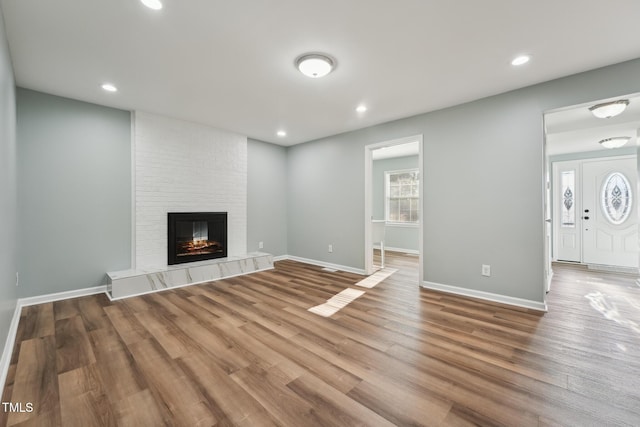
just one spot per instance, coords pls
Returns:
(8, 203)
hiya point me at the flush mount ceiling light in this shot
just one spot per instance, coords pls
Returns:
(520, 60)
(315, 65)
(614, 142)
(109, 87)
(281, 133)
(361, 108)
(609, 109)
(152, 4)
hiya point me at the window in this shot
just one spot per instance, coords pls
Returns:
(568, 180)
(402, 196)
(616, 198)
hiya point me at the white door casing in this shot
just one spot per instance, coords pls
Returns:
(609, 212)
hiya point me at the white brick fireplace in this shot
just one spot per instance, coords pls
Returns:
(185, 167)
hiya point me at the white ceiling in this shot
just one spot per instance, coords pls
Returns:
(575, 129)
(229, 64)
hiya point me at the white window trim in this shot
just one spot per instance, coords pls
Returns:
(386, 199)
(402, 224)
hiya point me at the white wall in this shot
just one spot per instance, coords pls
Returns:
(185, 167)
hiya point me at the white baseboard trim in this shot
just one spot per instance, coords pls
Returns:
(280, 258)
(488, 296)
(5, 361)
(58, 296)
(25, 302)
(322, 264)
(613, 269)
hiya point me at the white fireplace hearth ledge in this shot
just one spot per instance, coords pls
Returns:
(128, 283)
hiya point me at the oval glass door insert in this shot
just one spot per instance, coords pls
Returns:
(616, 198)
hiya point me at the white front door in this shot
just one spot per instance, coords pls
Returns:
(566, 217)
(609, 212)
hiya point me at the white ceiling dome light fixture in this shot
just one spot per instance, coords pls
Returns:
(614, 142)
(315, 65)
(607, 110)
(152, 4)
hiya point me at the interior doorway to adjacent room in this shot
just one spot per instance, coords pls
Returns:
(393, 202)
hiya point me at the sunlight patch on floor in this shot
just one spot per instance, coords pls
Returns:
(336, 302)
(342, 299)
(609, 309)
(375, 278)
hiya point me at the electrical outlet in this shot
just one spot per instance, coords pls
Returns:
(260, 245)
(486, 270)
(330, 248)
(17, 279)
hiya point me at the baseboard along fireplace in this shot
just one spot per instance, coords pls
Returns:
(196, 236)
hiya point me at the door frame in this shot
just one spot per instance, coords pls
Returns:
(368, 199)
(546, 165)
(547, 214)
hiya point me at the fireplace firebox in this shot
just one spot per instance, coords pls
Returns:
(196, 236)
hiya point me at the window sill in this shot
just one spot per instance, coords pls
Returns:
(402, 224)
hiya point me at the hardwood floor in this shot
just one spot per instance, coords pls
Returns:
(245, 351)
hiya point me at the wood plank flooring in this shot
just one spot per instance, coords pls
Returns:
(245, 351)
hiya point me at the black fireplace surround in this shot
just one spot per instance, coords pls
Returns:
(196, 236)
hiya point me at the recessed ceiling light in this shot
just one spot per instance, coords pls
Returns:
(607, 110)
(520, 60)
(615, 142)
(109, 87)
(281, 133)
(361, 108)
(152, 4)
(315, 65)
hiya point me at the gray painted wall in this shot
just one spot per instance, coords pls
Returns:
(8, 183)
(74, 193)
(325, 190)
(266, 197)
(396, 236)
(483, 185)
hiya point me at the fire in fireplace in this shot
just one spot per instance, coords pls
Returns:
(196, 236)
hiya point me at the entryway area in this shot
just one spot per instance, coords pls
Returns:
(591, 184)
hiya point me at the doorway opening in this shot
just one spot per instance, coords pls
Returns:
(394, 203)
(591, 197)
